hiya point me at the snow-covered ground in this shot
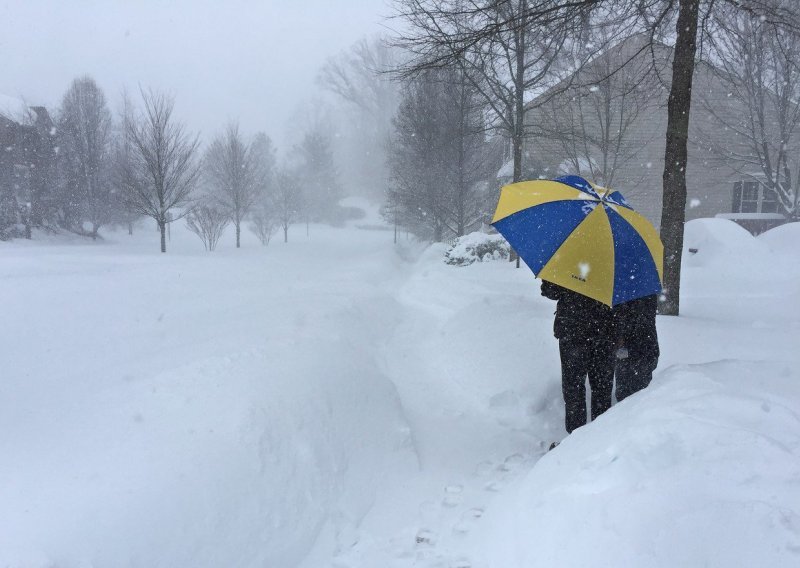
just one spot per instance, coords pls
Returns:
(341, 401)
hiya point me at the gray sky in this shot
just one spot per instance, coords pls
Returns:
(247, 59)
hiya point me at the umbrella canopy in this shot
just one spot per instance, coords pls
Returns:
(584, 238)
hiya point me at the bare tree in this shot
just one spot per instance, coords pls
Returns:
(691, 19)
(125, 215)
(161, 170)
(288, 200)
(758, 62)
(232, 171)
(263, 216)
(440, 158)
(207, 222)
(263, 223)
(417, 188)
(508, 49)
(263, 155)
(589, 124)
(85, 136)
(359, 79)
(358, 76)
(319, 175)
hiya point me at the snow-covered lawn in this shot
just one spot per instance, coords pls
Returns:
(342, 401)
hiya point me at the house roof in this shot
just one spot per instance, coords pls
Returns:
(630, 47)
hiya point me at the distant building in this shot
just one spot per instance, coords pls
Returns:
(28, 154)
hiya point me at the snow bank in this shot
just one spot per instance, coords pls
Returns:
(736, 275)
(193, 409)
(343, 401)
(715, 240)
(702, 469)
(783, 239)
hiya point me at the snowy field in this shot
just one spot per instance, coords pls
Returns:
(339, 401)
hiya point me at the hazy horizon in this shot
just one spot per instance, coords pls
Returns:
(246, 60)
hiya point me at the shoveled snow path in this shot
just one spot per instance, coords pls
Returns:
(472, 433)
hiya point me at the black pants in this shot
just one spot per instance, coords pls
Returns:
(579, 359)
(635, 372)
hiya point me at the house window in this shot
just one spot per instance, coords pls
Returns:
(753, 197)
(769, 201)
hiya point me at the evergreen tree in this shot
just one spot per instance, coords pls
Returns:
(86, 150)
(319, 176)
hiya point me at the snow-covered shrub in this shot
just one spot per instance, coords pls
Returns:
(477, 247)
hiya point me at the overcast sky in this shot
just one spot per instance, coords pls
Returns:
(247, 59)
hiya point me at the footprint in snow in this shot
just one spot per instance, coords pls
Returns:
(425, 537)
(468, 520)
(494, 486)
(453, 497)
(484, 469)
(511, 463)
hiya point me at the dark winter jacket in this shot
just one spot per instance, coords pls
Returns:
(635, 325)
(579, 318)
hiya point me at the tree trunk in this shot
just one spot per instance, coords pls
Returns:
(130, 228)
(238, 234)
(518, 136)
(162, 227)
(673, 212)
(437, 233)
(285, 234)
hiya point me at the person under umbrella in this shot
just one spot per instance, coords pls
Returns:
(585, 331)
(637, 339)
(593, 253)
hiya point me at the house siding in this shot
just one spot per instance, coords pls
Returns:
(709, 178)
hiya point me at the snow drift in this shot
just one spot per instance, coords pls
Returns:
(343, 402)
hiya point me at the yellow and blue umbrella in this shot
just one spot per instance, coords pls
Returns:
(584, 238)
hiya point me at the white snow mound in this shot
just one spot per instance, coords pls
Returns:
(782, 239)
(701, 469)
(715, 239)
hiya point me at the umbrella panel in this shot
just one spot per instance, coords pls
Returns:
(523, 195)
(635, 271)
(536, 233)
(585, 261)
(648, 233)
